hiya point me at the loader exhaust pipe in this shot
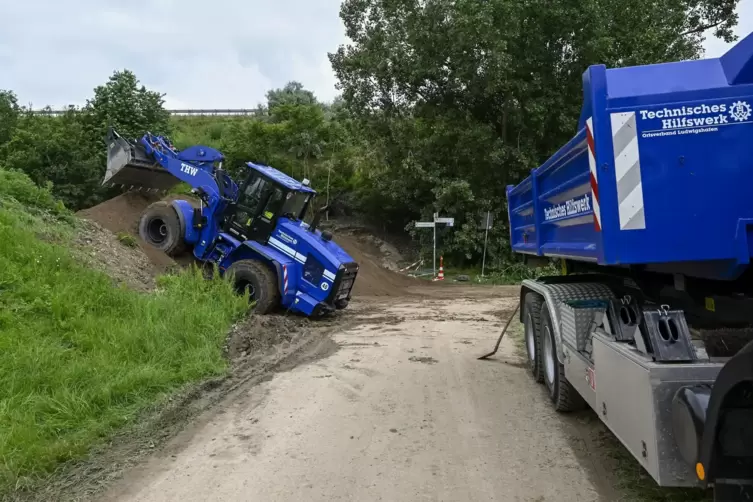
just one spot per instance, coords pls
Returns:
(128, 165)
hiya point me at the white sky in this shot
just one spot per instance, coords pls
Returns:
(216, 54)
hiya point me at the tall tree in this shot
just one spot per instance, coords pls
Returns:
(123, 103)
(9, 111)
(69, 151)
(462, 97)
(292, 94)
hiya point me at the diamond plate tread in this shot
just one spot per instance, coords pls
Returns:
(554, 294)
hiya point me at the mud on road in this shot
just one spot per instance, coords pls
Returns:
(390, 404)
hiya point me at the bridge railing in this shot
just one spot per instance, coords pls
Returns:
(184, 112)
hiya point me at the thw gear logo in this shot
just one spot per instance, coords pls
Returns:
(740, 111)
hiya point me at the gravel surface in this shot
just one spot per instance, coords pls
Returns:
(402, 411)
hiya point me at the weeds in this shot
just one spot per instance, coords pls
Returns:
(512, 273)
(127, 239)
(80, 357)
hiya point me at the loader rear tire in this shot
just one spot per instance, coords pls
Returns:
(259, 281)
(532, 333)
(561, 392)
(161, 228)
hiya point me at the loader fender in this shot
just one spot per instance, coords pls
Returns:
(252, 250)
(185, 214)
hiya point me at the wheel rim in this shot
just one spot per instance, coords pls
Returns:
(243, 287)
(548, 355)
(156, 230)
(530, 339)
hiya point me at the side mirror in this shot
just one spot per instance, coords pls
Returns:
(317, 218)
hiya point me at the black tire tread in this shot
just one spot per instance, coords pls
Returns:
(532, 303)
(564, 396)
(341, 304)
(167, 212)
(267, 283)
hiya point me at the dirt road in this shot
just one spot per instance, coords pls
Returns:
(403, 411)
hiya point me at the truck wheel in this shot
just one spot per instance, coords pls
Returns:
(160, 227)
(259, 281)
(562, 394)
(532, 331)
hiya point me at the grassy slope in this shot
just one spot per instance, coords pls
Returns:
(79, 356)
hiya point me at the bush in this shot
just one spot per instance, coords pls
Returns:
(20, 187)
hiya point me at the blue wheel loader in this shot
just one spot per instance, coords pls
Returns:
(253, 230)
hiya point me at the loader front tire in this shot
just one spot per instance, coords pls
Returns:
(259, 281)
(561, 392)
(532, 333)
(161, 228)
(341, 304)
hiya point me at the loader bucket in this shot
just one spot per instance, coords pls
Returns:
(129, 166)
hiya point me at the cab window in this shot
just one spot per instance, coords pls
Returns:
(253, 194)
(273, 205)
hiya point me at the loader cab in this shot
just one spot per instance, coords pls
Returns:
(264, 196)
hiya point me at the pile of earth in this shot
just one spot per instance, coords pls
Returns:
(100, 249)
(373, 278)
(121, 214)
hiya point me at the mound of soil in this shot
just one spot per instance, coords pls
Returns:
(100, 249)
(257, 333)
(121, 214)
(373, 279)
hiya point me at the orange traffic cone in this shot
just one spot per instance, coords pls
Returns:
(440, 276)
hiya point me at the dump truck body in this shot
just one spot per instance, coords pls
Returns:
(658, 173)
(648, 209)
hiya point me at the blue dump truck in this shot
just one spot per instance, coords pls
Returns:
(649, 212)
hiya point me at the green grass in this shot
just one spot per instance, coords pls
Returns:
(79, 356)
(511, 273)
(635, 483)
(127, 239)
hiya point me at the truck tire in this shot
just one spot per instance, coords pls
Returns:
(532, 333)
(561, 392)
(160, 227)
(259, 281)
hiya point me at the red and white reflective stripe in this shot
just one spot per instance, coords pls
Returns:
(284, 280)
(594, 178)
(627, 171)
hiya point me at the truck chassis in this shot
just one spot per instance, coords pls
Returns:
(686, 417)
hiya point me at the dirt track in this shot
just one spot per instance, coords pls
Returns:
(384, 402)
(402, 411)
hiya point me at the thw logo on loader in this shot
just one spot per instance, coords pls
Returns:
(188, 169)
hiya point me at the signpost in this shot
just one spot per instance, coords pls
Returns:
(433, 224)
(486, 224)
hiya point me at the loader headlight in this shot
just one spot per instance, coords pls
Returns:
(313, 270)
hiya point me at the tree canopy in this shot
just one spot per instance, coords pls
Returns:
(463, 97)
(444, 103)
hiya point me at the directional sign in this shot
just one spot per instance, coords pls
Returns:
(433, 224)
